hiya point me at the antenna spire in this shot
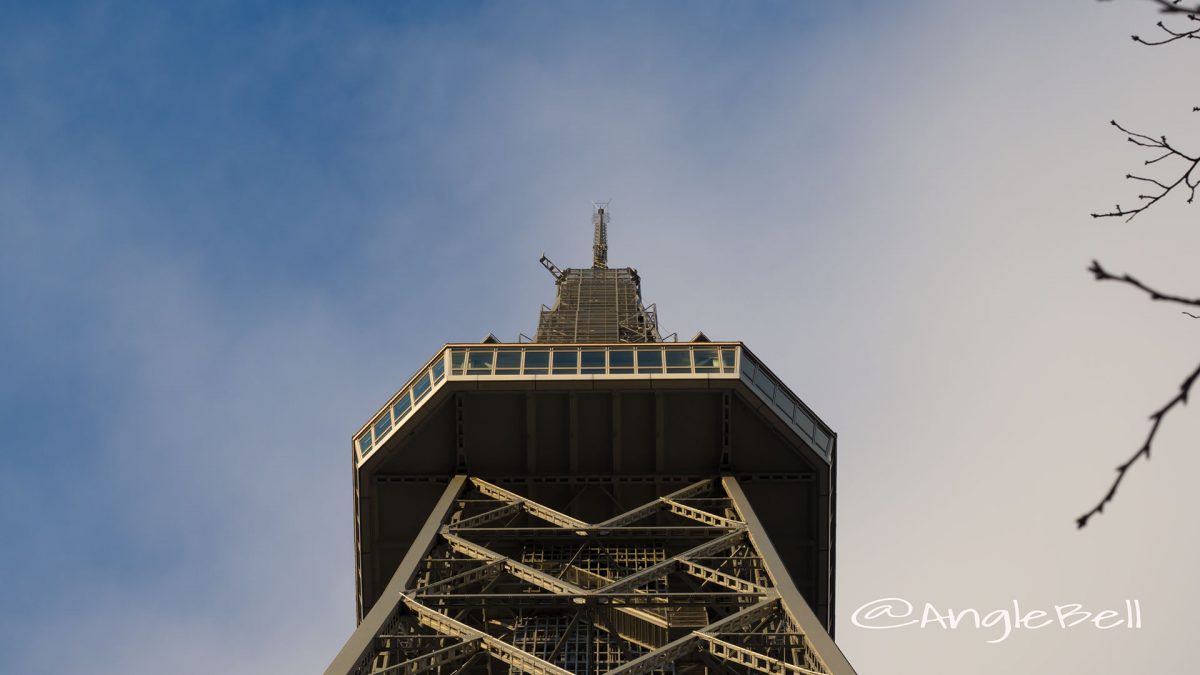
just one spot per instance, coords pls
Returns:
(600, 240)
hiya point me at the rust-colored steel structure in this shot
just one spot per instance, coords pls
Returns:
(594, 501)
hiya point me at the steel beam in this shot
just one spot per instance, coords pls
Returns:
(521, 660)
(435, 659)
(665, 567)
(701, 532)
(749, 658)
(793, 602)
(650, 508)
(362, 640)
(575, 600)
(698, 515)
(535, 509)
(729, 581)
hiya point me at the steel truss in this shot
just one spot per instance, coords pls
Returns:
(687, 583)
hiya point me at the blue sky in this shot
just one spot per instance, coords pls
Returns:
(229, 231)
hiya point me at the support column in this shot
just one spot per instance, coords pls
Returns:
(361, 641)
(793, 602)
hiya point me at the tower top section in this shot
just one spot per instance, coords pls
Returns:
(600, 238)
(597, 304)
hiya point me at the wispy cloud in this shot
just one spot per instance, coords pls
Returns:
(227, 235)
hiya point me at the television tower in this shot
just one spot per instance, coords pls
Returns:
(596, 500)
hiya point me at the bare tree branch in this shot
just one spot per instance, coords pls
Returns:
(1163, 150)
(1172, 35)
(1174, 7)
(1144, 451)
(1102, 274)
(1156, 419)
(1169, 151)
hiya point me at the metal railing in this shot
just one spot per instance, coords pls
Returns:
(593, 361)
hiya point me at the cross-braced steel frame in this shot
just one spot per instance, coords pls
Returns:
(498, 583)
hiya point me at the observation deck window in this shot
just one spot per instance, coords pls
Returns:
(402, 407)
(508, 362)
(383, 425)
(804, 421)
(479, 361)
(679, 360)
(649, 360)
(537, 362)
(591, 361)
(707, 361)
(727, 356)
(421, 387)
(565, 361)
(620, 361)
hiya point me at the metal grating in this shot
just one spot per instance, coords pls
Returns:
(598, 305)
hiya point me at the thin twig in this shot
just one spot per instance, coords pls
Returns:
(1192, 315)
(1161, 144)
(1102, 274)
(1172, 35)
(1173, 7)
(1144, 451)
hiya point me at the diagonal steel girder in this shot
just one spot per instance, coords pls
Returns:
(496, 647)
(435, 659)
(816, 639)
(514, 501)
(727, 651)
(533, 508)
(676, 649)
(650, 508)
(466, 578)
(667, 566)
(537, 577)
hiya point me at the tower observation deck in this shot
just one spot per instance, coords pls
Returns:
(594, 501)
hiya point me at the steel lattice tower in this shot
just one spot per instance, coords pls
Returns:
(594, 501)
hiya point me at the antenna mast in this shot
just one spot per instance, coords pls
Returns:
(600, 240)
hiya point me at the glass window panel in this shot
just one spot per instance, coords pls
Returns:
(679, 361)
(748, 369)
(649, 360)
(383, 425)
(764, 382)
(439, 370)
(508, 361)
(421, 387)
(727, 358)
(479, 361)
(822, 439)
(804, 421)
(537, 362)
(620, 361)
(707, 360)
(785, 402)
(402, 406)
(565, 361)
(591, 361)
(457, 357)
(364, 443)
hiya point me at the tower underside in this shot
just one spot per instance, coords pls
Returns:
(685, 583)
